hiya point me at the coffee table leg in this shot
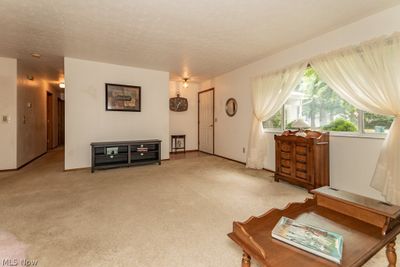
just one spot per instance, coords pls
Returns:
(246, 260)
(391, 253)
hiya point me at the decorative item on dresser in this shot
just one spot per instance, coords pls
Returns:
(106, 155)
(302, 161)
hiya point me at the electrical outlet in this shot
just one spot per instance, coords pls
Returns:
(244, 150)
(5, 118)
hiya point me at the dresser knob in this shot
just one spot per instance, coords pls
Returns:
(141, 154)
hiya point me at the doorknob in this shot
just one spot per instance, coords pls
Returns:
(212, 125)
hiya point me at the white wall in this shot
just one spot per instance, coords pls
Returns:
(352, 160)
(185, 122)
(8, 107)
(87, 121)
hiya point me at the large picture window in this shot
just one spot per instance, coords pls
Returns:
(324, 110)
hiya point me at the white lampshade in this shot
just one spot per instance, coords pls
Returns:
(300, 123)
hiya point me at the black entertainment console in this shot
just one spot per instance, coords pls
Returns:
(106, 155)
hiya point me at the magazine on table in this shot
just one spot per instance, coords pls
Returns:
(317, 241)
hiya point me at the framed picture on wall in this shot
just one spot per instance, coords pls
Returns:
(121, 97)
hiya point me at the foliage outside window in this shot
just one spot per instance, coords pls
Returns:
(324, 110)
(375, 123)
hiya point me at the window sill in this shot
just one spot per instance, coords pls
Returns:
(340, 134)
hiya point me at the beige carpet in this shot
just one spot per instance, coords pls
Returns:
(176, 214)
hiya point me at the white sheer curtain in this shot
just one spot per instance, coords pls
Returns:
(368, 77)
(270, 92)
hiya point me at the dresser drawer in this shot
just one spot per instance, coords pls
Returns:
(149, 147)
(286, 163)
(301, 158)
(286, 147)
(285, 155)
(301, 175)
(301, 166)
(287, 171)
(302, 150)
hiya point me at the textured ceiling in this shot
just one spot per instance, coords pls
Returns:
(200, 39)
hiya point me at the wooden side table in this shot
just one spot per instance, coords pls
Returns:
(367, 225)
(178, 143)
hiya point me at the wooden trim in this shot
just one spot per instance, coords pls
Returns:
(49, 120)
(60, 121)
(77, 169)
(206, 90)
(23, 165)
(198, 119)
(8, 170)
(241, 162)
(37, 157)
(268, 170)
(237, 161)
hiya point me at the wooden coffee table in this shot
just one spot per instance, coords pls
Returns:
(367, 225)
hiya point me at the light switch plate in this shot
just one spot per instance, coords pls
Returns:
(5, 118)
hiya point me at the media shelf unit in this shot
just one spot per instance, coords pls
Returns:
(107, 155)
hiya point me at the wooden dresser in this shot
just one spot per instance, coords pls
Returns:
(302, 161)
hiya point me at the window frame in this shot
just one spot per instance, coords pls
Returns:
(360, 133)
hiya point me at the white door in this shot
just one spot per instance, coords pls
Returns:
(206, 121)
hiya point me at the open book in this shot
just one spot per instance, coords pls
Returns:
(317, 241)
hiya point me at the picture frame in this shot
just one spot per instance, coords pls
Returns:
(120, 97)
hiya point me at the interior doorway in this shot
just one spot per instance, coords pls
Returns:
(206, 121)
(61, 121)
(49, 108)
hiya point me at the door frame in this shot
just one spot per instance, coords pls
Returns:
(49, 119)
(61, 134)
(198, 119)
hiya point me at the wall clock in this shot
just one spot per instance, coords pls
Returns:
(178, 103)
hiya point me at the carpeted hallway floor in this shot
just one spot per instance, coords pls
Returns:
(176, 214)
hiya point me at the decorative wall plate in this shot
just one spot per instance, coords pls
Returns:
(231, 107)
(178, 104)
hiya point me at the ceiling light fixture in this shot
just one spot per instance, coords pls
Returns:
(185, 82)
(62, 85)
(36, 55)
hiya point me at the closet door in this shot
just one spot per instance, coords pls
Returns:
(206, 121)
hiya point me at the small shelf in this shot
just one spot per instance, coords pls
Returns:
(178, 143)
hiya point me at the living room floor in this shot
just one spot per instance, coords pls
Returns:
(176, 214)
